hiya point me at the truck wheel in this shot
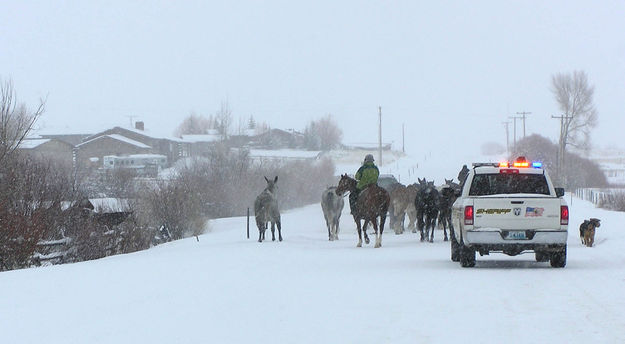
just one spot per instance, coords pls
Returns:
(455, 248)
(467, 257)
(558, 259)
(542, 257)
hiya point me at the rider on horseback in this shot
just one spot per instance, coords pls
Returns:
(366, 175)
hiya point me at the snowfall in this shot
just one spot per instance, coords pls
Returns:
(226, 288)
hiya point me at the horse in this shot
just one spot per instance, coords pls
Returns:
(411, 210)
(373, 202)
(402, 203)
(332, 206)
(266, 210)
(419, 205)
(426, 203)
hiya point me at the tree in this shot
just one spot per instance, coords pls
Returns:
(194, 125)
(574, 96)
(251, 123)
(223, 119)
(578, 172)
(323, 134)
(16, 120)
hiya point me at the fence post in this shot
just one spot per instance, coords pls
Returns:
(248, 222)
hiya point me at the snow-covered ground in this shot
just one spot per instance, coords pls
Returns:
(306, 289)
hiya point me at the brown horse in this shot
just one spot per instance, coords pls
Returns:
(373, 202)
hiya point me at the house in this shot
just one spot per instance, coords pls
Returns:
(49, 148)
(201, 145)
(91, 152)
(278, 138)
(171, 147)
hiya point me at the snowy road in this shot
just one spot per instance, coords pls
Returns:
(227, 289)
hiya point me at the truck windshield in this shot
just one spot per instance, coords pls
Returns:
(508, 183)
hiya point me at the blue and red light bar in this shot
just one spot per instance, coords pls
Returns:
(521, 163)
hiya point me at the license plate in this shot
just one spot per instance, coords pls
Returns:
(516, 235)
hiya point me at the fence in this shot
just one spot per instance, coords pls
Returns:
(599, 196)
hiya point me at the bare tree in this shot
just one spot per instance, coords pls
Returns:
(323, 134)
(16, 120)
(574, 96)
(194, 125)
(223, 119)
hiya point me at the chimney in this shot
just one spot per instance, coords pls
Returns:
(139, 125)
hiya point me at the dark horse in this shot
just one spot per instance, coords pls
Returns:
(446, 202)
(373, 202)
(266, 210)
(426, 203)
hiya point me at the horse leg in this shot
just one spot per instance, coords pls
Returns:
(329, 225)
(359, 232)
(261, 232)
(420, 224)
(432, 227)
(279, 224)
(273, 231)
(445, 224)
(336, 229)
(378, 235)
(364, 231)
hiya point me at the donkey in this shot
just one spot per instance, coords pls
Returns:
(332, 206)
(266, 210)
(373, 202)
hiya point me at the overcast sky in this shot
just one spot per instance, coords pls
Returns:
(450, 71)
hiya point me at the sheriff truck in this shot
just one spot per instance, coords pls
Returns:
(510, 208)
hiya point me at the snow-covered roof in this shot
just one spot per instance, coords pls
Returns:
(152, 134)
(201, 138)
(32, 143)
(118, 138)
(138, 156)
(109, 204)
(103, 205)
(284, 153)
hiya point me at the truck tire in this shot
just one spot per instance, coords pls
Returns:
(558, 259)
(455, 248)
(542, 257)
(467, 256)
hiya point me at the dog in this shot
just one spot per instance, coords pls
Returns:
(587, 231)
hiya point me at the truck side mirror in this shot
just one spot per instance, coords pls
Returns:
(559, 192)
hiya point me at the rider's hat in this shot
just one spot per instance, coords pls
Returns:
(368, 158)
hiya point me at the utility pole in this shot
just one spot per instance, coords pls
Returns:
(380, 137)
(514, 118)
(507, 125)
(403, 140)
(523, 117)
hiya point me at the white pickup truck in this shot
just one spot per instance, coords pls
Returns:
(509, 208)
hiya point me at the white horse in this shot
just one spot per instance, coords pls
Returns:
(332, 206)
